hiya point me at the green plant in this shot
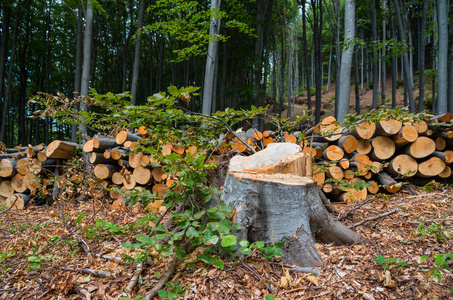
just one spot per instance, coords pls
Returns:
(436, 231)
(387, 262)
(176, 291)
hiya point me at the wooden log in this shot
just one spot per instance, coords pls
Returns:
(348, 143)
(363, 146)
(329, 130)
(117, 178)
(158, 174)
(18, 183)
(2, 201)
(143, 175)
(383, 148)
(373, 187)
(13, 155)
(446, 134)
(421, 148)
(406, 135)
(312, 151)
(421, 126)
(402, 165)
(344, 163)
(25, 166)
(446, 117)
(333, 152)
(348, 174)
(290, 139)
(352, 194)
(375, 167)
(135, 159)
(239, 142)
(388, 127)
(446, 156)
(446, 173)
(42, 156)
(327, 187)
(61, 150)
(129, 181)
(388, 183)
(160, 189)
(267, 140)
(100, 143)
(124, 135)
(166, 149)
(18, 201)
(118, 153)
(6, 189)
(98, 158)
(88, 146)
(441, 144)
(106, 154)
(364, 130)
(335, 172)
(123, 163)
(116, 195)
(177, 149)
(8, 167)
(430, 167)
(319, 176)
(105, 171)
(361, 162)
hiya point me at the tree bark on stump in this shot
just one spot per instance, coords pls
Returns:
(282, 206)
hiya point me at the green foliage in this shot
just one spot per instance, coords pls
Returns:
(176, 291)
(435, 231)
(387, 262)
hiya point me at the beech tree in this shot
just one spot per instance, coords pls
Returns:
(442, 15)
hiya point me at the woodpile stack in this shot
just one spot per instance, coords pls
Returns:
(379, 154)
(117, 162)
(20, 167)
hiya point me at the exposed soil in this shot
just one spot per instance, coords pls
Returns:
(346, 273)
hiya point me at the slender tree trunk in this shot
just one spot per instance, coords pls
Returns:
(136, 67)
(408, 75)
(226, 49)
(336, 5)
(85, 80)
(421, 57)
(23, 80)
(78, 67)
(306, 59)
(4, 47)
(10, 73)
(346, 60)
(384, 59)
(442, 83)
(375, 55)
(210, 61)
(394, 66)
(450, 71)
(317, 34)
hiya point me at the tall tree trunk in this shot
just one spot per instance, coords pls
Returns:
(384, 59)
(23, 80)
(306, 59)
(450, 71)
(317, 35)
(226, 49)
(442, 83)
(141, 12)
(407, 73)
(10, 73)
(346, 59)
(421, 57)
(85, 81)
(4, 46)
(210, 60)
(394, 66)
(375, 55)
(78, 67)
(336, 5)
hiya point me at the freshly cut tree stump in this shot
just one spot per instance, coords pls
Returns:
(281, 207)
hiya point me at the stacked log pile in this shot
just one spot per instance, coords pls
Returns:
(116, 164)
(379, 154)
(20, 166)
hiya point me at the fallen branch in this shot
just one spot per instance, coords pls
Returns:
(118, 259)
(309, 270)
(160, 284)
(97, 273)
(354, 207)
(376, 217)
(134, 278)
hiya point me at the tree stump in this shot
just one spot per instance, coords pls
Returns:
(282, 205)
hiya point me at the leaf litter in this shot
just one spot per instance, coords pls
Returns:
(398, 263)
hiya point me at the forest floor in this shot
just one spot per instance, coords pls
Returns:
(420, 226)
(366, 99)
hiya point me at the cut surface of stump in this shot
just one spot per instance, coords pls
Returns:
(273, 207)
